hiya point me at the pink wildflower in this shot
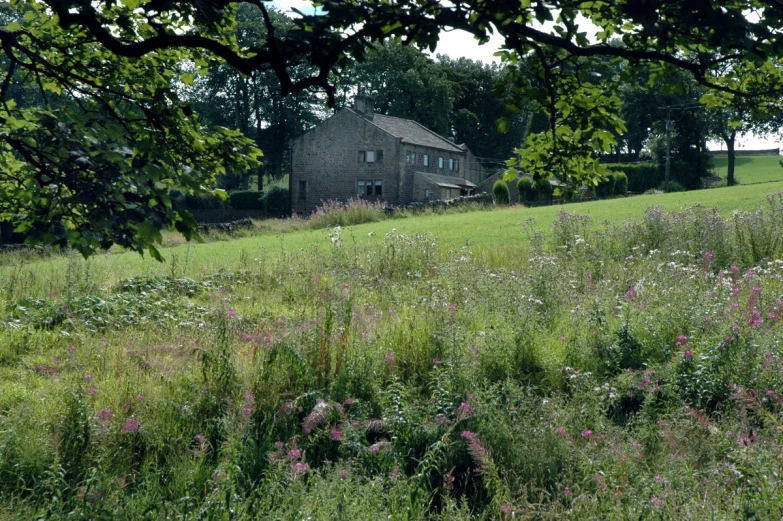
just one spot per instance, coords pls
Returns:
(336, 434)
(294, 454)
(771, 393)
(249, 398)
(656, 502)
(688, 354)
(436, 362)
(681, 340)
(131, 426)
(104, 415)
(452, 308)
(465, 409)
(92, 392)
(587, 433)
(301, 468)
(342, 474)
(389, 357)
(507, 509)
(247, 411)
(563, 339)
(468, 435)
(200, 439)
(88, 378)
(630, 294)
(755, 318)
(560, 431)
(567, 492)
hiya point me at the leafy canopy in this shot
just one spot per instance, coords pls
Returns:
(90, 166)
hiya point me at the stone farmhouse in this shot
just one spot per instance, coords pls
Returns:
(357, 153)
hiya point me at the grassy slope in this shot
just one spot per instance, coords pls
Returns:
(752, 169)
(493, 235)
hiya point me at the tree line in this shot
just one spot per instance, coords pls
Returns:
(105, 106)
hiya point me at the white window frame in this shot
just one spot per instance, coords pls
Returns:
(369, 156)
(426, 160)
(440, 163)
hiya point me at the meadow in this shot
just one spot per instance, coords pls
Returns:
(609, 360)
(751, 169)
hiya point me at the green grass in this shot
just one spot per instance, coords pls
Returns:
(751, 169)
(621, 370)
(494, 235)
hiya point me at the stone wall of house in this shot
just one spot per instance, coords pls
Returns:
(326, 158)
(413, 188)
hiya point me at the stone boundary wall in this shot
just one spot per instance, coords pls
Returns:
(739, 153)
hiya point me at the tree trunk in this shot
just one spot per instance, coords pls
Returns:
(730, 181)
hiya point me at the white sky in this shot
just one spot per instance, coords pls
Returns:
(459, 44)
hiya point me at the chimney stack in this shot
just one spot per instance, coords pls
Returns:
(363, 104)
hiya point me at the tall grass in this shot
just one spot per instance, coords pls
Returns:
(616, 370)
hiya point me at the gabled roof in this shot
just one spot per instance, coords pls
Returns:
(411, 132)
(446, 181)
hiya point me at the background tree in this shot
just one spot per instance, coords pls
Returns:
(730, 115)
(106, 178)
(254, 104)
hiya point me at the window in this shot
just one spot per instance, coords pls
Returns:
(410, 157)
(368, 188)
(440, 162)
(379, 156)
(369, 156)
(428, 194)
(456, 165)
(451, 164)
(361, 156)
(302, 190)
(425, 159)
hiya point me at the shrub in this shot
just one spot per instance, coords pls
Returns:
(620, 183)
(501, 193)
(605, 187)
(544, 189)
(195, 202)
(246, 200)
(674, 186)
(641, 176)
(526, 190)
(277, 202)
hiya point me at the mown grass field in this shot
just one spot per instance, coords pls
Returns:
(752, 169)
(614, 362)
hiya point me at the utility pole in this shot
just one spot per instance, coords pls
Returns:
(669, 128)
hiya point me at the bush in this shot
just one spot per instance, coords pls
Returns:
(605, 188)
(640, 176)
(620, 183)
(246, 200)
(277, 202)
(544, 190)
(674, 186)
(526, 190)
(201, 202)
(501, 193)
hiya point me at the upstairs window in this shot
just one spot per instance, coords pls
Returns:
(425, 159)
(451, 164)
(302, 190)
(369, 156)
(440, 162)
(410, 157)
